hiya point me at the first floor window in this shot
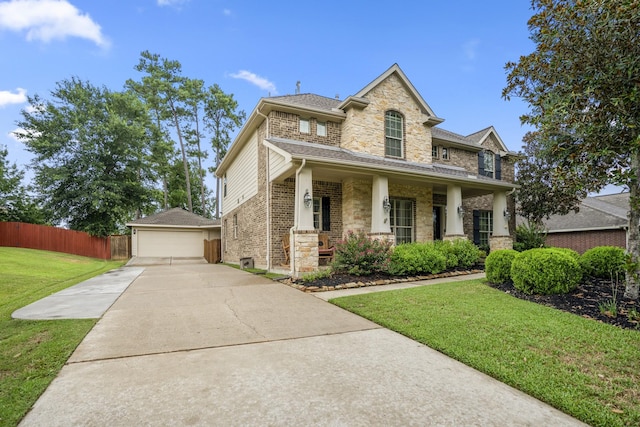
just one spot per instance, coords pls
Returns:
(402, 220)
(317, 212)
(235, 226)
(322, 213)
(485, 227)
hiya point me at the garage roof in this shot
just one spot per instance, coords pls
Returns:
(176, 217)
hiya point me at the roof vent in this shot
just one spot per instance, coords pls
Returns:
(298, 87)
(337, 96)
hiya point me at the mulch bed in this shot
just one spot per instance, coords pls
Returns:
(585, 301)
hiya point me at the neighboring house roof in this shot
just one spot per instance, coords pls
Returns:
(596, 213)
(176, 217)
(298, 150)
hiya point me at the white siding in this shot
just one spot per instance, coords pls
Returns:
(242, 176)
(277, 165)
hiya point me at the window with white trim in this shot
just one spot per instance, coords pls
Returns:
(445, 153)
(317, 212)
(235, 226)
(304, 125)
(321, 129)
(401, 216)
(393, 132)
(489, 160)
(434, 151)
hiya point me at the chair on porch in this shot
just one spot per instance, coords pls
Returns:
(325, 251)
(286, 248)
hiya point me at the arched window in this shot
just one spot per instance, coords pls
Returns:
(393, 132)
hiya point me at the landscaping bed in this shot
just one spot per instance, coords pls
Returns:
(586, 301)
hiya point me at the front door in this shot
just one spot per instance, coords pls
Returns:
(437, 223)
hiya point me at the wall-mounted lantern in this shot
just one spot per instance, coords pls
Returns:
(307, 199)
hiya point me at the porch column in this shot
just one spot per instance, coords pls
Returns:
(379, 217)
(500, 239)
(304, 214)
(455, 220)
(304, 237)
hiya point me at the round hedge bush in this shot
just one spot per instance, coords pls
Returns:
(603, 261)
(497, 265)
(545, 271)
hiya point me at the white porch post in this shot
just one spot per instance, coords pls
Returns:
(304, 186)
(379, 218)
(501, 239)
(500, 223)
(455, 221)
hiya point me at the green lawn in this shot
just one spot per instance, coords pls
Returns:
(584, 368)
(33, 352)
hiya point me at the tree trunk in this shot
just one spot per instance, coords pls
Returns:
(633, 233)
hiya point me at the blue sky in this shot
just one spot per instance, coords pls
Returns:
(453, 52)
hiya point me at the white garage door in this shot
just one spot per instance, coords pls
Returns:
(154, 243)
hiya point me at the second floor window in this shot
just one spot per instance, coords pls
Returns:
(304, 125)
(393, 134)
(445, 153)
(488, 163)
(434, 151)
(321, 129)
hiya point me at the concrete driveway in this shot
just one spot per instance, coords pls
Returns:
(211, 345)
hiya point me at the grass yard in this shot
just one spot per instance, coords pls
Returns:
(582, 367)
(33, 352)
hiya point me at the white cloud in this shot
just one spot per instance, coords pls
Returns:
(174, 3)
(48, 20)
(17, 97)
(470, 49)
(15, 134)
(254, 79)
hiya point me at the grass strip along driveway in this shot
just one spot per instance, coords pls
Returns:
(33, 352)
(584, 368)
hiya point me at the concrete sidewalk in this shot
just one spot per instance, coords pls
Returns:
(212, 345)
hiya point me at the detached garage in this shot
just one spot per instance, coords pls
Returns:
(175, 233)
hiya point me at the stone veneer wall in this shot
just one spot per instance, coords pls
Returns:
(287, 125)
(500, 242)
(356, 205)
(305, 251)
(423, 197)
(363, 130)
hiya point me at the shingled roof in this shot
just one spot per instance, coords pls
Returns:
(596, 213)
(308, 100)
(177, 217)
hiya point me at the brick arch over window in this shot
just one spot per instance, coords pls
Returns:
(393, 134)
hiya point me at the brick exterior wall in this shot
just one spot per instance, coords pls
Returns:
(364, 131)
(581, 241)
(287, 125)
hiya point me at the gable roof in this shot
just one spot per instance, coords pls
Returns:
(307, 100)
(596, 213)
(359, 98)
(176, 217)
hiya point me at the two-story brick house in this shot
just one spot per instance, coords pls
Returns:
(377, 161)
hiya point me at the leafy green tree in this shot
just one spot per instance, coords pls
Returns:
(582, 84)
(222, 118)
(163, 84)
(15, 202)
(193, 95)
(91, 155)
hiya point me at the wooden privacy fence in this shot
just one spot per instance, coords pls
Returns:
(212, 251)
(33, 236)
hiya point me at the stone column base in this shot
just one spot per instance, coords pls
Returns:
(384, 237)
(500, 242)
(452, 237)
(305, 252)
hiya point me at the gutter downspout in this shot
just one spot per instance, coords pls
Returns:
(267, 193)
(292, 259)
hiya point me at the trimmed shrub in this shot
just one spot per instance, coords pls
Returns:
(359, 255)
(417, 258)
(497, 265)
(574, 254)
(529, 236)
(446, 247)
(545, 271)
(604, 262)
(467, 253)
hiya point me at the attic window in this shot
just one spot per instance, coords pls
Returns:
(304, 125)
(321, 128)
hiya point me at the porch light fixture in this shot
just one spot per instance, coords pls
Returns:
(460, 211)
(386, 206)
(307, 199)
(506, 214)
